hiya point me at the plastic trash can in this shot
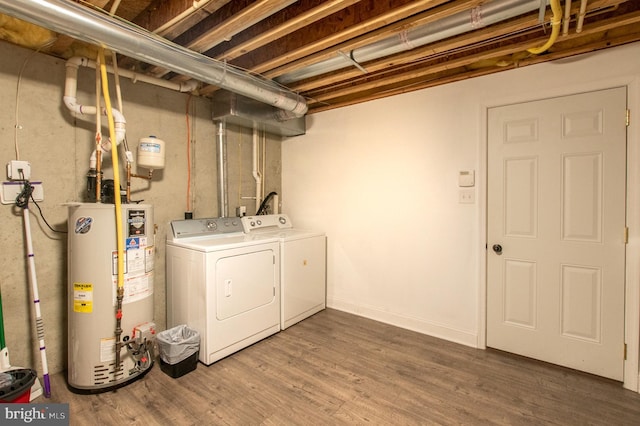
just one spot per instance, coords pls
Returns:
(178, 348)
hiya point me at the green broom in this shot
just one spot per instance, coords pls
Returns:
(4, 352)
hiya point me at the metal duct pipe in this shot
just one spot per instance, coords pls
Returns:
(487, 14)
(100, 29)
(221, 152)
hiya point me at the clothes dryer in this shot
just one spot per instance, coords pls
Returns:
(303, 256)
(223, 283)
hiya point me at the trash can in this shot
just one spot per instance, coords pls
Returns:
(178, 348)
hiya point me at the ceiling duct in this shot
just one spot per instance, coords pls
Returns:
(245, 112)
(123, 37)
(488, 13)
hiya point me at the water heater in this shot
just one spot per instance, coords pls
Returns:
(92, 288)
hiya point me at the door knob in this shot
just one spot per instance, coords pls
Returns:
(497, 248)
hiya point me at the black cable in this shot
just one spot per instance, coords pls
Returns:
(45, 220)
(263, 206)
(22, 201)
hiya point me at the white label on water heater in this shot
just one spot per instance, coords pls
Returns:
(149, 253)
(138, 270)
(107, 349)
(114, 264)
(135, 289)
(135, 262)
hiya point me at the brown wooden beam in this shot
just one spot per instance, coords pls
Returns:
(335, 37)
(159, 13)
(236, 23)
(462, 71)
(367, 38)
(289, 26)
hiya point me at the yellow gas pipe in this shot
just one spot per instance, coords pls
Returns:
(555, 28)
(116, 184)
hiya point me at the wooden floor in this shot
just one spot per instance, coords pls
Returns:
(337, 368)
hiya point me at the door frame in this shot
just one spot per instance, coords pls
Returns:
(632, 268)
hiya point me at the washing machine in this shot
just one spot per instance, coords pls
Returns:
(303, 259)
(223, 283)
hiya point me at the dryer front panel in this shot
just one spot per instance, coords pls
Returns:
(244, 282)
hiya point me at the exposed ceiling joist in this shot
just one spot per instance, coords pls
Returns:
(276, 38)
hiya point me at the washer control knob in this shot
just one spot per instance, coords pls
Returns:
(259, 222)
(282, 220)
(211, 225)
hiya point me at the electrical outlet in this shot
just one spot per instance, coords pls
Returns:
(466, 196)
(19, 170)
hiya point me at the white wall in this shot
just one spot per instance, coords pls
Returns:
(381, 179)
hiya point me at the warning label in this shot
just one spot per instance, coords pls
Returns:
(83, 297)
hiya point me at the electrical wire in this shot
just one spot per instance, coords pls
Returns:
(17, 125)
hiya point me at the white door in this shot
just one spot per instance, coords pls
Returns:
(556, 230)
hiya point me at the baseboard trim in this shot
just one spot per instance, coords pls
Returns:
(403, 321)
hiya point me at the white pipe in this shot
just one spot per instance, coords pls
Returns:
(114, 7)
(70, 100)
(94, 27)
(223, 202)
(256, 174)
(567, 17)
(162, 30)
(583, 12)
(116, 78)
(185, 87)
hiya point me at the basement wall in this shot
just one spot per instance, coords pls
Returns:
(381, 178)
(58, 146)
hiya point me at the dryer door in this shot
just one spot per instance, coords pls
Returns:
(244, 282)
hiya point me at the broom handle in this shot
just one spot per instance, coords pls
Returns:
(36, 302)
